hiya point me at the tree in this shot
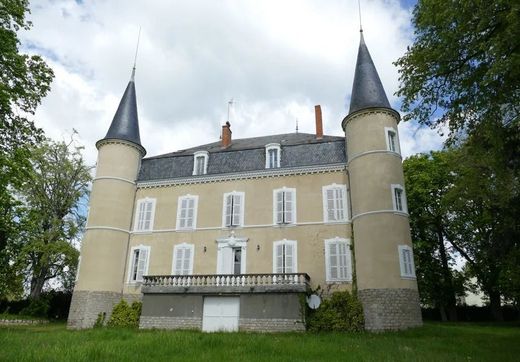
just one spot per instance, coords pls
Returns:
(24, 81)
(464, 65)
(428, 179)
(52, 217)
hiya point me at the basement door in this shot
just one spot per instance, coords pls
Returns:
(220, 314)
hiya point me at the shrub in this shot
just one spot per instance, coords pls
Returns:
(341, 312)
(37, 308)
(125, 315)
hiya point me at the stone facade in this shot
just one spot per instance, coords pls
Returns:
(390, 309)
(150, 322)
(86, 306)
(270, 325)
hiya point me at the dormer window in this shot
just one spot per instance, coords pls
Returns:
(272, 155)
(200, 163)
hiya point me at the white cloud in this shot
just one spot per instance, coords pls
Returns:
(277, 59)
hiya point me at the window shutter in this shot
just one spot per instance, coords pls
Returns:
(289, 258)
(229, 209)
(279, 258)
(342, 260)
(340, 206)
(333, 261)
(141, 217)
(187, 261)
(237, 209)
(330, 205)
(141, 265)
(289, 206)
(191, 209)
(148, 214)
(182, 216)
(279, 207)
(402, 260)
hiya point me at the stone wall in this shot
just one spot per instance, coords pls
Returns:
(86, 305)
(270, 325)
(149, 322)
(390, 309)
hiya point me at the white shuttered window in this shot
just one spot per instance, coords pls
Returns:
(233, 209)
(335, 208)
(145, 210)
(139, 260)
(338, 260)
(285, 256)
(187, 212)
(284, 205)
(183, 259)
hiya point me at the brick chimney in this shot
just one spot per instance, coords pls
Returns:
(226, 135)
(319, 123)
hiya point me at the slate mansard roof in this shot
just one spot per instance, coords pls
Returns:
(247, 154)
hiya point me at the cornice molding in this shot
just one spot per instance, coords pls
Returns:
(369, 111)
(257, 174)
(114, 141)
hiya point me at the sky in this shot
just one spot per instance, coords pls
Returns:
(275, 59)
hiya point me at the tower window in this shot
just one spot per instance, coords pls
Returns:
(139, 260)
(144, 215)
(392, 141)
(272, 155)
(406, 261)
(284, 206)
(399, 198)
(200, 162)
(233, 212)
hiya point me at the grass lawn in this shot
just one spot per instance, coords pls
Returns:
(433, 342)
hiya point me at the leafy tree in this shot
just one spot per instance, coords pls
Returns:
(464, 64)
(52, 217)
(24, 81)
(428, 179)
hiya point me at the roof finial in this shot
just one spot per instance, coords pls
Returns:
(360, 23)
(135, 57)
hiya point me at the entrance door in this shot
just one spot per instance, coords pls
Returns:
(220, 314)
(230, 260)
(237, 260)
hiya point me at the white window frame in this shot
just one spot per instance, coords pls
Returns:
(179, 212)
(242, 211)
(404, 205)
(348, 260)
(131, 263)
(389, 130)
(269, 147)
(138, 214)
(344, 199)
(402, 250)
(275, 206)
(181, 247)
(294, 245)
(203, 154)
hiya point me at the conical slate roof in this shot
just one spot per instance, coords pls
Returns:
(367, 90)
(125, 125)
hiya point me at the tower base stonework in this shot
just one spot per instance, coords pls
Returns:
(86, 306)
(390, 309)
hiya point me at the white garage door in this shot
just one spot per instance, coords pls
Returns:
(220, 314)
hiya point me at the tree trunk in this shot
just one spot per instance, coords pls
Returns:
(496, 310)
(442, 310)
(37, 284)
(450, 290)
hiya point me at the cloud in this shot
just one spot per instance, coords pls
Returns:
(277, 59)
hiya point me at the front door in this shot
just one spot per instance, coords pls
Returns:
(230, 260)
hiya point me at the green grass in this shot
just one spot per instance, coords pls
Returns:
(433, 342)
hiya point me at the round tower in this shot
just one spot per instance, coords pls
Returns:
(385, 271)
(104, 246)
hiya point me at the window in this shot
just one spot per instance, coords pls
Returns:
(392, 141)
(406, 261)
(338, 260)
(399, 198)
(272, 155)
(187, 212)
(200, 163)
(284, 256)
(335, 203)
(144, 215)
(233, 210)
(284, 201)
(183, 259)
(139, 259)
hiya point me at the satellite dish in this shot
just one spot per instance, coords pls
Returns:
(313, 301)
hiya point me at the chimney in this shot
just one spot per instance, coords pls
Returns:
(226, 135)
(319, 124)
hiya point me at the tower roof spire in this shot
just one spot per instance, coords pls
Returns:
(367, 90)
